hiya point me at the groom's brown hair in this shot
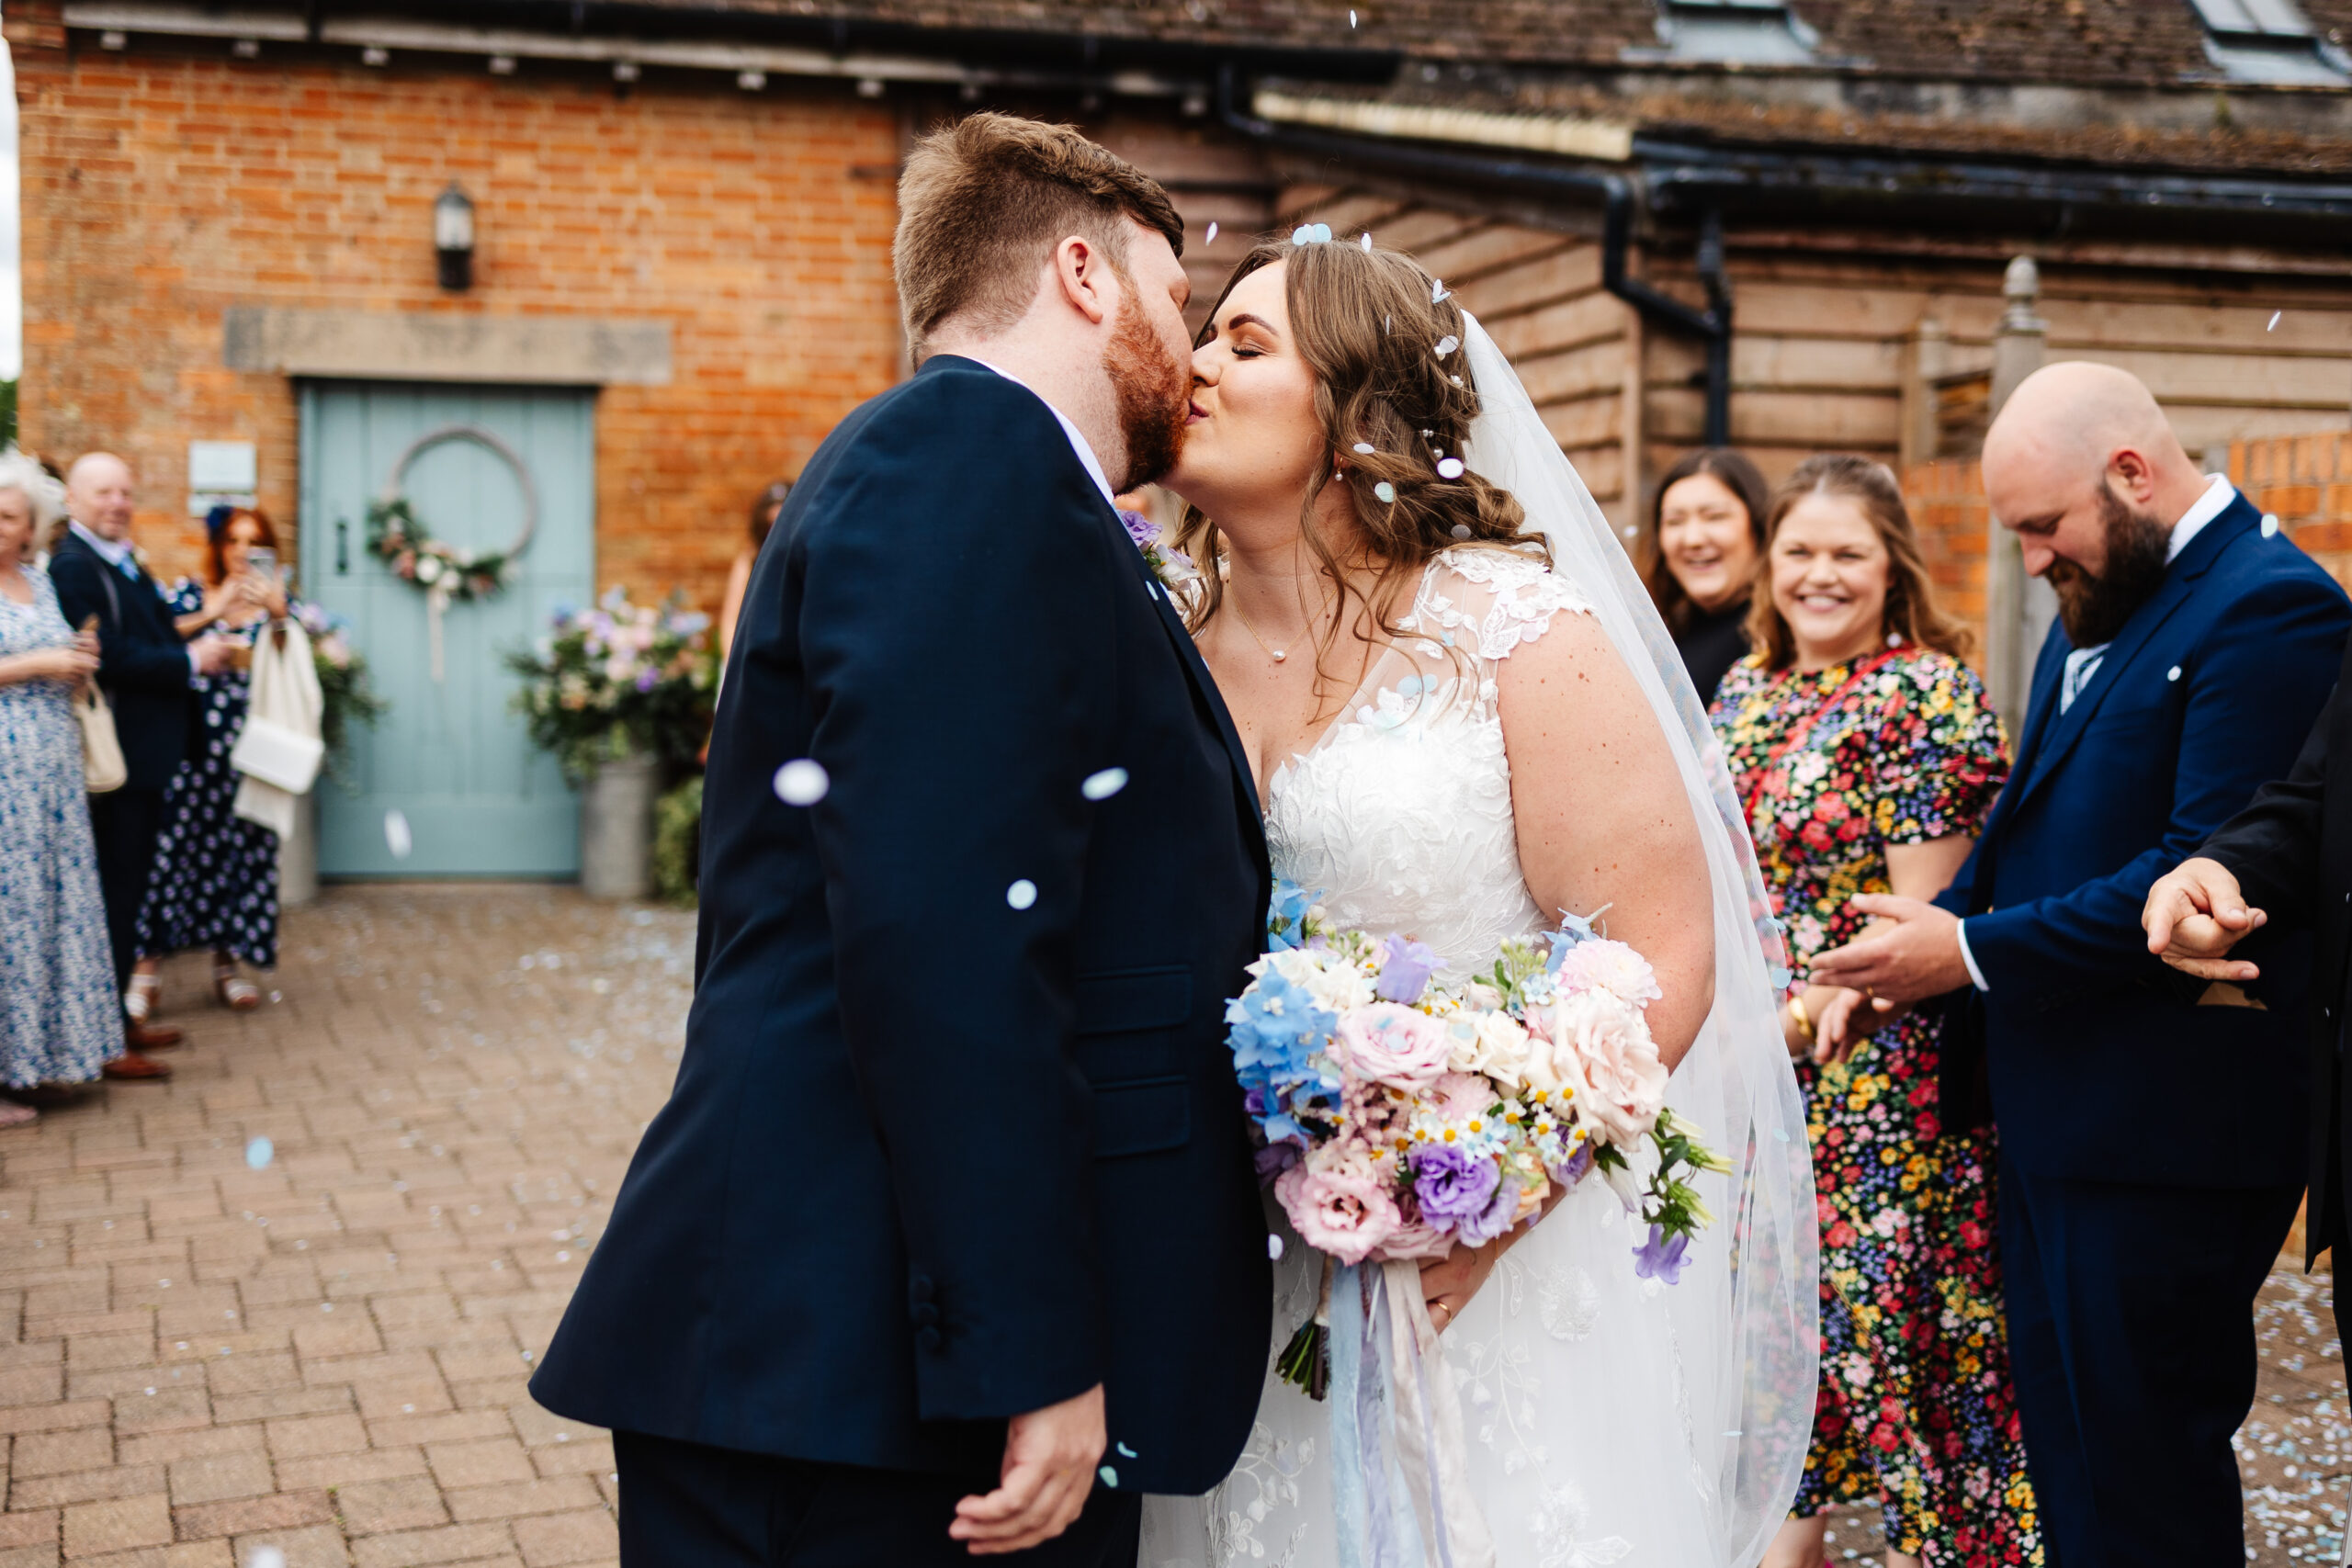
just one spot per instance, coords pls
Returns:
(983, 203)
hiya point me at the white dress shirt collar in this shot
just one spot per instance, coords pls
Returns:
(1077, 440)
(114, 552)
(2216, 500)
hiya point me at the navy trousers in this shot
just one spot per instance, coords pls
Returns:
(2132, 1340)
(685, 1505)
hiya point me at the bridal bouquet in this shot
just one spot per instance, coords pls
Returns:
(1402, 1113)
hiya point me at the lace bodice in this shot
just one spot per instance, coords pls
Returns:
(1400, 815)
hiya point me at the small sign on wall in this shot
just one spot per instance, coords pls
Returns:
(221, 473)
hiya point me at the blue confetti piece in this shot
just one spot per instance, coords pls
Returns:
(1110, 1477)
(259, 1153)
(1126, 1451)
(1105, 785)
(1779, 976)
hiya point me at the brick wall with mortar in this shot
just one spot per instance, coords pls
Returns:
(160, 189)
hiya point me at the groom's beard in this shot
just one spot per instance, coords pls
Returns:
(1154, 394)
(2093, 609)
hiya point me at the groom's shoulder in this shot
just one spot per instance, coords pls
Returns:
(952, 401)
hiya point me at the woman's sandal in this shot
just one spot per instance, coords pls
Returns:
(139, 1001)
(234, 990)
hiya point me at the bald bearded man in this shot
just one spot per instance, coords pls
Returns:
(2149, 1120)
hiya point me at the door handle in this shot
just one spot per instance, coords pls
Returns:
(342, 547)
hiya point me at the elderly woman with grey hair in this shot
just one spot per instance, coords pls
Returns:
(59, 1017)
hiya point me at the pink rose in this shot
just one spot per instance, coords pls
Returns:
(1339, 1202)
(1392, 1044)
(1603, 1051)
(1610, 966)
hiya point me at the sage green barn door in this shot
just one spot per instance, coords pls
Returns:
(451, 757)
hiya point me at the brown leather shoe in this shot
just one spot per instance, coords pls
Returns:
(150, 1036)
(131, 1064)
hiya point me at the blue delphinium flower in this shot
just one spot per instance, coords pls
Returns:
(1286, 917)
(1661, 1259)
(1404, 972)
(1274, 1029)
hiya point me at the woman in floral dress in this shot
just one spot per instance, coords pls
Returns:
(58, 1019)
(215, 882)
(1868, 759)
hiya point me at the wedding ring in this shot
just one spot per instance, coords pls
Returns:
(1443, 1307)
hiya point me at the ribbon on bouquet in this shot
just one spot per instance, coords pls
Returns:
(1400, 1466)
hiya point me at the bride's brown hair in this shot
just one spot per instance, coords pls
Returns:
(1384, 342)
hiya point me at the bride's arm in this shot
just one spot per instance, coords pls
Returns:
(1603, 818)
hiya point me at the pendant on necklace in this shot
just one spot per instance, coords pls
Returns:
(1278, 653)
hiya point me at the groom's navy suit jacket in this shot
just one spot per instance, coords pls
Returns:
(2100, 1066)
(954, 1134)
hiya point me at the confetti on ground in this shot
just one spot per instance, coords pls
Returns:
(1022, 893)
(397, 836)
(1105, 785)
(802, 781)
(259, 1153)
(1448, 468)
(264, 1557)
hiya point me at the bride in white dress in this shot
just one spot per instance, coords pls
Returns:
(1465, 719)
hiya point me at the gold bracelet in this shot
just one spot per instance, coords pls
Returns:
(1796, 1011)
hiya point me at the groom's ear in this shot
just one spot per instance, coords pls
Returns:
(1089, 280)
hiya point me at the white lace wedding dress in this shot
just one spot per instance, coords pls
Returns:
(1567, 1361)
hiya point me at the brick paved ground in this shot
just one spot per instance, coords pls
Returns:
(327, 1354)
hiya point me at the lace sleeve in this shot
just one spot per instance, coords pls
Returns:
(1488, 602)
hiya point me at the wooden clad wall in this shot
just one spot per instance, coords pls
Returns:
(1539, 293)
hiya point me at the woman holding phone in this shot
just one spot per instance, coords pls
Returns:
(215, 882)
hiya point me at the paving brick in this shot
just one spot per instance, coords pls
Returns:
(92, 1529)
(217, 1478)
(491, 1462)
(278, 1510)
(405, 1503)
(56, 1453)
(557, 1541)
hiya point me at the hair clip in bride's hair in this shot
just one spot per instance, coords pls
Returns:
(1311, 234)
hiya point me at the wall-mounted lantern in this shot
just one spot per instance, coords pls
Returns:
(453, 238)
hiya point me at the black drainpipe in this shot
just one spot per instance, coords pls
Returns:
(1616, 196)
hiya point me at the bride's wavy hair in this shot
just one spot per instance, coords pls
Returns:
(1384, 340)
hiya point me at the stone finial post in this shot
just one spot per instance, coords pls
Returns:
(2017, 609)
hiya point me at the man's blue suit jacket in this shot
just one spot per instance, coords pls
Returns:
(2100, 1062)
(956, 1134)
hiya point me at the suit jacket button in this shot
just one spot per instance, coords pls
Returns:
(930, 1338)
(926, 1315)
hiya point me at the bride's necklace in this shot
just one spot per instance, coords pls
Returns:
(1277, 654)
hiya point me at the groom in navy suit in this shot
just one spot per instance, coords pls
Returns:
(2149, 1162)
(948, 1242)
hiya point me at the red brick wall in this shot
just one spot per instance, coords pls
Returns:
(162, 190)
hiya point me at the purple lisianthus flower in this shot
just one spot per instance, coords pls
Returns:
(1273, 1160)
(647, 680)
(1141, 529)
(1659, 1258)
(1495, 1219)
(1452, 1184)
(1573, 1169)
(1405, 971)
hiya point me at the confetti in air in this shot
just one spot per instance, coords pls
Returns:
(1450, 468)
(1447, 344)
(1212, 234)
(259, 1153)
(1311, 234)
(1110, 1477)
(1274, 1243)
(1367, 242)
(1352, 18)
(1125, 1450)
(1386, 492)
(1462, 530)
(397, 836)
(1366, 448)
(802, 781)
(2269, 523)
(1105, 785)
(1022, 893)
(2273, 321)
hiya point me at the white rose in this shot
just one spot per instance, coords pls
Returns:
(1603, 1051)
(1498, 1047)
(428, 570)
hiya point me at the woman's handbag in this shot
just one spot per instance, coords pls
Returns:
(103, 768)
(279, 750)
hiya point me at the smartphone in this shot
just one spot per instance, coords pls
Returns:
(262, 561)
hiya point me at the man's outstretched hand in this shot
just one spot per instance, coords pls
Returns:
(1912, 952)
(1049, 1459)
(2194, 914)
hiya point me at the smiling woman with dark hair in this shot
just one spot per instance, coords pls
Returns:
(1707, 527)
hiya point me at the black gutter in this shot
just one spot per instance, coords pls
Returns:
(1613, 191)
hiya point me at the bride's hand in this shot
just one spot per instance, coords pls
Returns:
(1449, 1282)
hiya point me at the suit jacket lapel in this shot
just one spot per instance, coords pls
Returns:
(2180, 582)
(1188, 654)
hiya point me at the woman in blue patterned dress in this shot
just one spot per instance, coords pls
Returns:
(58, 1022)
(215, 882)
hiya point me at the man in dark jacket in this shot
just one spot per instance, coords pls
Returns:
(949, 1241)
(144, 669)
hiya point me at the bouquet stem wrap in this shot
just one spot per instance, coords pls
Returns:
(1401, 1476)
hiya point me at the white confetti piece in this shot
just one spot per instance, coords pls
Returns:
(1367, 242)
(397, 836)
(802, 781)
(2269, 523)
(1210, 240)
(1022, 893)
(1462, 530)
(264, 1557)
(2273, 321)
(1447, 344)
(2173, 674)
(1274, 1247)
(1386, 492)
(1105, 785)
(1448, 468)
(1352, 22)
(259, 1153)
(1366, 448)
(1438, 291)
